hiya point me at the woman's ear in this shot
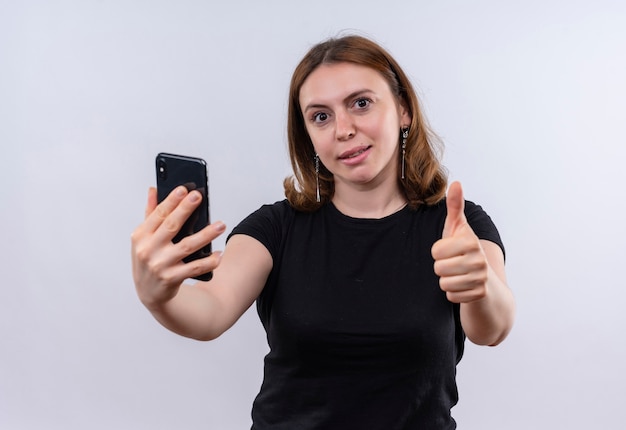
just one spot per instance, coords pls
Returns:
(405, 114)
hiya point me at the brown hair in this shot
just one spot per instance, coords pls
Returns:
(425, 178)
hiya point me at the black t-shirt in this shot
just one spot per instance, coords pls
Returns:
(360, 334)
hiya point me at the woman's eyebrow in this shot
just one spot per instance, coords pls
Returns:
(358, 93)
(350, 96)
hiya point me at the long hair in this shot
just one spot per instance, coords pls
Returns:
(425, 179)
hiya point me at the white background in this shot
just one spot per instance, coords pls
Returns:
(529, 97)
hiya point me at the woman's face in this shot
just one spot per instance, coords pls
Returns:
(354, 122)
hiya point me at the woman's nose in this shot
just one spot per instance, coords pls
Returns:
(345, 127)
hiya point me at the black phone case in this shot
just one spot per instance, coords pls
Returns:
(173, 170)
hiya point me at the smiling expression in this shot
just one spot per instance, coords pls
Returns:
(354, 122)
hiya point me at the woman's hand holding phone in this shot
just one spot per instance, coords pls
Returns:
(158, 267)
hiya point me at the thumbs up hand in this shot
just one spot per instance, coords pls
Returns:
(460, 261)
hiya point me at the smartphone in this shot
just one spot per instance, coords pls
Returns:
(173, 170)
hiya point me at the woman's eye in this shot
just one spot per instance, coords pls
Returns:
(362, 103)
(320, 117)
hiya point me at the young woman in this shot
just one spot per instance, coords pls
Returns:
(367, 279)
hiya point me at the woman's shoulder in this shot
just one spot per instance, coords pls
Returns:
(439, 208)
(266, 224)
(480, 221)
(268, 213)
(476, 216)
(277, 210)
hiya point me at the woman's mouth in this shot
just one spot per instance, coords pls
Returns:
(353, 153)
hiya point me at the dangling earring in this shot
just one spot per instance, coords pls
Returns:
(317, 176)
(405, 134)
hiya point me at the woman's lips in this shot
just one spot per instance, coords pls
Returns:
(355, 155)
(354, 152)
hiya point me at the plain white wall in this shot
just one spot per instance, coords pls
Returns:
(529, 99)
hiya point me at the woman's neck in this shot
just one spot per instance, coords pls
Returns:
(363, 202)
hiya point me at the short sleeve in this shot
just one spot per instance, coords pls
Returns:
(267, 225)
(482, 224)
